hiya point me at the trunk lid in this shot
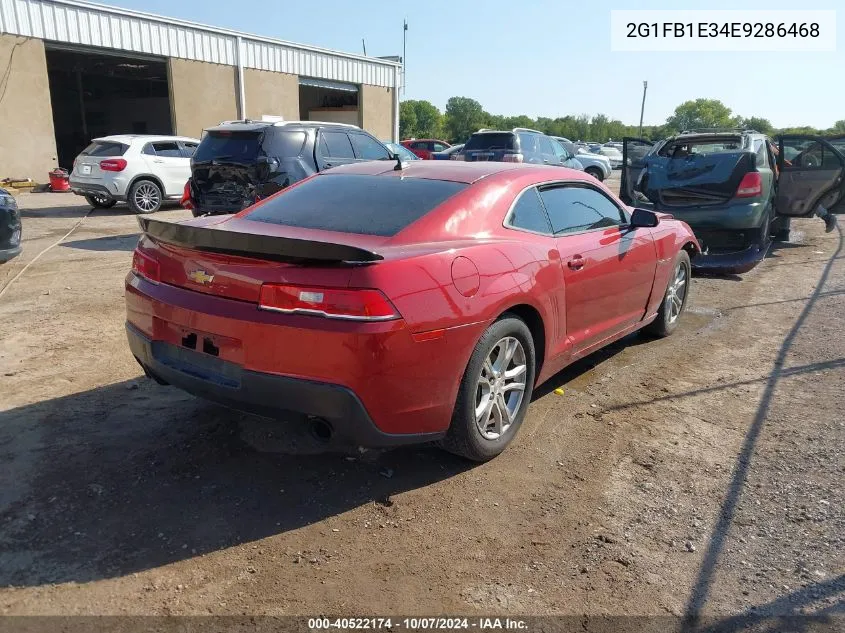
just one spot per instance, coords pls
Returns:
(232, 259)
(695, 180)
(490, 146)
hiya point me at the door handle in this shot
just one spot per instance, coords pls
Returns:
(576, 263)
(546, 160)
(158, 161)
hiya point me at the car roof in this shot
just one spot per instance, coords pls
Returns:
(128, 139)
(256, 126)
(453, 171)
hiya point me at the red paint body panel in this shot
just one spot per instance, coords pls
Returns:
(456, 269)
(412, 146)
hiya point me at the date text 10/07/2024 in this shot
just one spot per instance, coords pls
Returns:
(418, 623)
(723, 30)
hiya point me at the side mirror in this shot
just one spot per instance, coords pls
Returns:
(641, 218)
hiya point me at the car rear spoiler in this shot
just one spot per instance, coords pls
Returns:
(270, 247)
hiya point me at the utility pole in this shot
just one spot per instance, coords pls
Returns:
(642, 108)
(364, 44)
(404, 40)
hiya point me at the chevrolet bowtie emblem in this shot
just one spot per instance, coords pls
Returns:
(200, 277)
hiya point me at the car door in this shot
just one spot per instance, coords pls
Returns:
(608, 267)
(167, 162)
(835, 201)
(333, 149)
(634, 151)
(564, 157)
(368, 148)
(810, 169)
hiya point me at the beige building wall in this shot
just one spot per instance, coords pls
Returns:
(201, 95)
(271, 93)
(27, 139)
(376, 105)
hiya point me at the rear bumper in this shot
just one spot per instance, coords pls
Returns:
(737, 262)
(9, 253)
(91, 189)
(265, 394)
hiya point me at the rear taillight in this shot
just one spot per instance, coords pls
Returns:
(186, 197)
(512, 158)
(113, 164)
(751, 185)
(359, 304)
(145, 266)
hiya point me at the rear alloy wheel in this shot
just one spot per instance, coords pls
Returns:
(674, 299)
(144, 197)
(495, 391)
(595, 172)
(99, 201)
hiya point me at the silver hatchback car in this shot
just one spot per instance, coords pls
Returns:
(142, 170)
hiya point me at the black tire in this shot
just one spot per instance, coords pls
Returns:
(464, 436)
(595, 172)
(144, 197)
(666, 321)
(101, 202)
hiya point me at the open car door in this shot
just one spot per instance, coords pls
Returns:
(837, 204)
(811, 170)
(633, 152)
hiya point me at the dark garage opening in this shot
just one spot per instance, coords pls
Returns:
(97, 95)
(321, 100)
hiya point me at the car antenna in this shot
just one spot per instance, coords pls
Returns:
(399, 164)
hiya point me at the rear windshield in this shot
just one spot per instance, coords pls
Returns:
(225, 145)
(682, 148)
(491, 140)
(346, 203)
(105, 148)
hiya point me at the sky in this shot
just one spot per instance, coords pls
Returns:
(546, 57)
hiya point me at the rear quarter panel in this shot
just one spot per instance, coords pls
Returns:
(670, 236)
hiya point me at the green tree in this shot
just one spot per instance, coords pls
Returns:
(429, 119)
(757, 123)
(838, 127)
(463, 117)
(420, 119)
(407, 119)
(599, 128)
(701, 113)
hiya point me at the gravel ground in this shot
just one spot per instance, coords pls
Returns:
(700, 474)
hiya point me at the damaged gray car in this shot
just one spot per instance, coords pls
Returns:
(737, 189)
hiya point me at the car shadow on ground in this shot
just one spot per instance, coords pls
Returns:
(70, 210)
(714, 551)
(132, 476)
(126, 242)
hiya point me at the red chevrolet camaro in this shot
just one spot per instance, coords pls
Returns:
(400, 303)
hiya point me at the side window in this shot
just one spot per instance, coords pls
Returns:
(528, 213)
(336, 145)
(168, 149)
(528, 143)
(560, 151)
(148, 150)
(808, 154)
(762, 153)
(368, 148)
(188, 149)
(546, 147)
(572, 209)
(439, 147)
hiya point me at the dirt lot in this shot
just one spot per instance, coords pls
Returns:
(698, 474)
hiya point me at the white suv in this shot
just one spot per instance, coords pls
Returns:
(141, 170)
